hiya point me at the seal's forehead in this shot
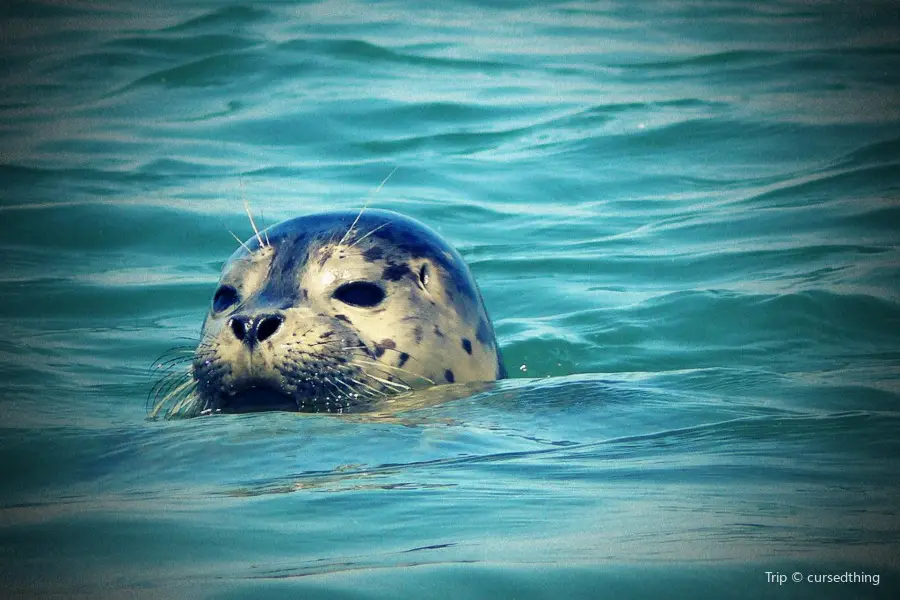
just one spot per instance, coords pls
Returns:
(400, 233)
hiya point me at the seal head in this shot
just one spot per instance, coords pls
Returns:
(334, 311)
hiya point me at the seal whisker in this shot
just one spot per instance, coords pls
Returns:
(206, 340)
(371, 195)
(165, 383)
(166, 364)
(334, 385)
(201, 359)
(188, 401)
(384, 366)
(394, 375)
(262, 218)
(205, 346)
(351, 393)
(239, 241)
(163, 369)
(250, 215)
(358, 240)
(172, 391)
(172, 350)
(291, 346)
(179, 349)
(204, 351)
(173, 394)
(354, 391)
(334, 390)
(253, 224)
(390, 383)
(368, 386)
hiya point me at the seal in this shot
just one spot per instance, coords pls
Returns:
(332, 312)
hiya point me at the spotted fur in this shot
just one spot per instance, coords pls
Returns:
(413, 314)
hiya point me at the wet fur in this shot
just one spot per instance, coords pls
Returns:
(431, 328)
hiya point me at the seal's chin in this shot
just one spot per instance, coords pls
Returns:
(256, 396)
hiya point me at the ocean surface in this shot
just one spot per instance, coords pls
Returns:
(685, 221)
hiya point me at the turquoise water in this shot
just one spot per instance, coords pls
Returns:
(684, 221)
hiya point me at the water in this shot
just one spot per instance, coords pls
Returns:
(683, 218)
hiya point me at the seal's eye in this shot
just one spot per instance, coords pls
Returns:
(360, 293)
(225, 297)
(423, 276)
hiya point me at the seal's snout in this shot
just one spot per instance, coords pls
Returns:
(255, 329)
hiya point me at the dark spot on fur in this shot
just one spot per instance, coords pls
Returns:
(396, 272)
(304, 293)
(417, 332)
(438, 332)
(403, 358)
(325, 335)
(362, 345)
(385, 344)
(343, 318)
(467, 346)
(483, 333)
(372, 254)
(448, 375)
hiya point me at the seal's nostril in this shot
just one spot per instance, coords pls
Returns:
(267, 326)
(239, 327)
